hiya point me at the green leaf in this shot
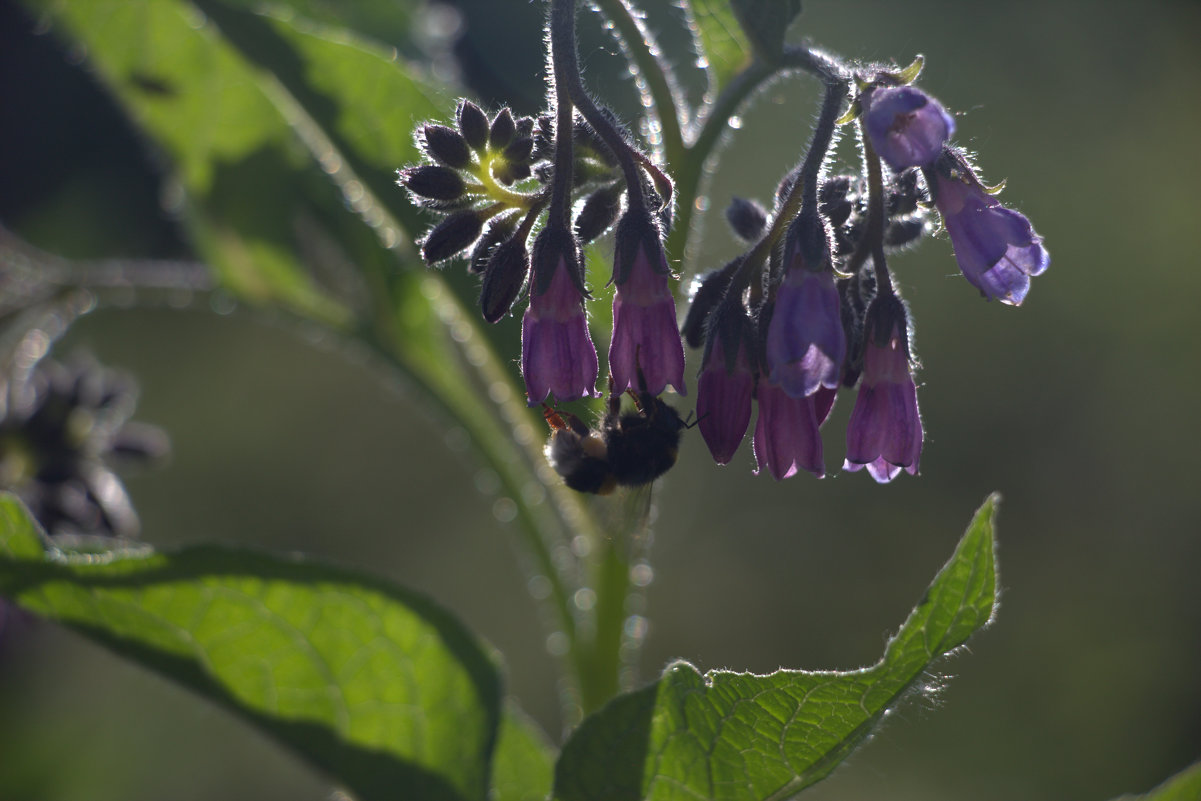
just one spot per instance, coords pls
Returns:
(743, 737)
(374, 684)
(524, 760)
(255, 115)
(723, 44)
(766, 22)
(387, 21)
(1184, 786)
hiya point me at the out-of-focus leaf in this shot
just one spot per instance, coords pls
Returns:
(524, 760)
(284, 137)
(235, 101)
(742, 737)
(1184, 786)
(723, 43)
(374, 684)
(390, 22)
(766, 22)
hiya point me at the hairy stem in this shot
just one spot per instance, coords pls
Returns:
(691, 170)
(665, 96)
(566, 69)
(872, 243)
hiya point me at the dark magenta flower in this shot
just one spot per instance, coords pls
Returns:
(786, 433)
(725, 386)
(806, 343)
(907, 127)
(997, 248)
(645, 334)
(557, 354)
(885, 431)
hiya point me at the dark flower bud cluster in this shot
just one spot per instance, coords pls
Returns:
(565, 179)
(62, 432)
(810, 309)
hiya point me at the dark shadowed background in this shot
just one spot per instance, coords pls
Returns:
(1081, 407)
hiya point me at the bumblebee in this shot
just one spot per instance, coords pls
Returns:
(625, 450)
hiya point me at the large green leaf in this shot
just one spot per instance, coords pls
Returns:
(524, 760)
(1184, 786)
(284, 136)
(742, 737)
(254, 116)
(766, 22)
(377, 685)
(724, 45)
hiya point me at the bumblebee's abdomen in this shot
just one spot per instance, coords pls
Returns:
(640, 456)
(581, 461)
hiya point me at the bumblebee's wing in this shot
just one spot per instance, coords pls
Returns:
(631, 510)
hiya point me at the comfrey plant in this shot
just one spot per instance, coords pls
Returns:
(811, 306)
(282, 128)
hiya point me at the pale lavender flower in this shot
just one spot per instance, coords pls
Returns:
(806, 343)
(908, 128)
(997, 248)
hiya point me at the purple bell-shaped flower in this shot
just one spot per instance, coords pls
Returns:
(557, 354)
(997, 248)
(885, 431)
(645, 334)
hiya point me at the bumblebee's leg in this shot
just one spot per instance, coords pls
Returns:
(613, 401)
(552, 417)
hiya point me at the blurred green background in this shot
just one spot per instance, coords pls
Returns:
(1081, 407)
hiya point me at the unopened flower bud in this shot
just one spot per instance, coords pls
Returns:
(834, 199)
(451, 236)
(446, 145)
(520, 149)
(747, 218)
(904, 232)
(598, 213)
(904, 193)
(498, 230)
(509, 173)
(707, 292)
(433, 182)
(544, 137)
(473, 124)
(500, 134)
(503, 278)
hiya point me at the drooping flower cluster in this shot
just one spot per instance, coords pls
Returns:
(496, 181)
(811, 308)
(63, 430)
